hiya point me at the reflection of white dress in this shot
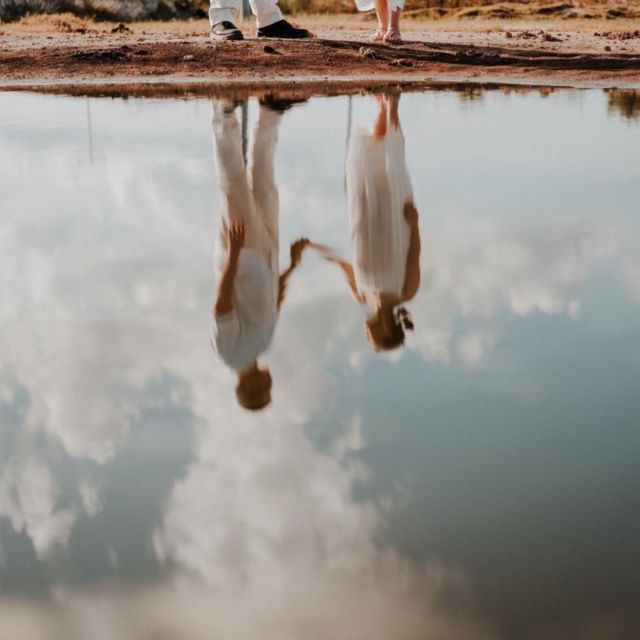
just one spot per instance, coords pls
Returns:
(241, 335)
(369, 5)
(378, 186)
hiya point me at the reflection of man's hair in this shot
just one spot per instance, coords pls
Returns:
(394, 338)
(254, 393)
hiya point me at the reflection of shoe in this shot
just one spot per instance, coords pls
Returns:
(225, 31)
(229, 106)
(280, 105)
(393, 37)
(282, 29)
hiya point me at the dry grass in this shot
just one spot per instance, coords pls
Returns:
(483, 10)
(110, 10)
(486, 9)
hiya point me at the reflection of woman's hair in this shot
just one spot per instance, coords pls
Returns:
(393, 338)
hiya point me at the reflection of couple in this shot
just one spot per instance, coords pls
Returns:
(384, 231)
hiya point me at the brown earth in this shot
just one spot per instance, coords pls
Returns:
(64, 51)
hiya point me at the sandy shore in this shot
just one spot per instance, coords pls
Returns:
(58, 52)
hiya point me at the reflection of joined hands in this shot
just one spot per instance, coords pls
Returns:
(297, 248)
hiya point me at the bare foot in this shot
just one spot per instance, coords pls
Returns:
(393, 37)
(377, 35)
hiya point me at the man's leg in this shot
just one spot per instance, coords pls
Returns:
(270, 22)
(223, 15)
(267, 12)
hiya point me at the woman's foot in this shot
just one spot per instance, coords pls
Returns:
(393, 36)
(377, 35)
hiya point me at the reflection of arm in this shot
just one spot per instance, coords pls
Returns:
(412, 270)
(344, 266)
(224, 298)
(350, 277)
(282, 283)
(296, 255)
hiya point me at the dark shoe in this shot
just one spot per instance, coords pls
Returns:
(225, 31)
(282, 29)
(280, 105)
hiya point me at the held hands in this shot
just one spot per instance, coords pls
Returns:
(235, 237)
(410, 213)
(296, 250)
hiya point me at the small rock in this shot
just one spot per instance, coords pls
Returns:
(366, 52)
(401, 62)
(121, 28)
(607, 48)
(508, 34)
(269, 49)
(547, 37)
(188, 58)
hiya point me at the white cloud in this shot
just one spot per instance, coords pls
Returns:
(89, 497)
(478, 269)
(29, 498)
(472, 346)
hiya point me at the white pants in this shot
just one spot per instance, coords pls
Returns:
(248, 193)
(266, 11)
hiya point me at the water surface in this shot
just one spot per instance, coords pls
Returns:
(479, 482)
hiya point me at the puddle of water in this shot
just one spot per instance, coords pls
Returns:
(477, 482)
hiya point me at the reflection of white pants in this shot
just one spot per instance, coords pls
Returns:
(267, 11)
(248, 193)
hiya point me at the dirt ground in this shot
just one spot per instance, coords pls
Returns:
(63, 50)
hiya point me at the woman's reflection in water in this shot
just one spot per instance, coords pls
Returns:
(384, 228)
(250, 289)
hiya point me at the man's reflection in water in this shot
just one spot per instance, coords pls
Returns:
(250, 289)
(384, 228)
